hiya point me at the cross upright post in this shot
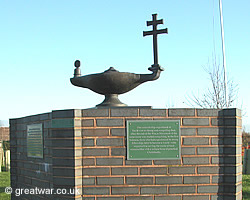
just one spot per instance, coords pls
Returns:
(155, 32)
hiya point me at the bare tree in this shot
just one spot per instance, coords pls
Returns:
(214, 96)
(245, 138)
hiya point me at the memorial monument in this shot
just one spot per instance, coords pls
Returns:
(111, 83)
(117, 152)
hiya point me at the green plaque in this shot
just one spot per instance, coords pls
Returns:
(153, 140)
(62, 123)
(35, 140)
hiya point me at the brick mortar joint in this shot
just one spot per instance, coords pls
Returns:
(196, 117)
(195, 112)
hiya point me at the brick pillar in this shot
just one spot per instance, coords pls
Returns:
(232, 158)
(67, 152)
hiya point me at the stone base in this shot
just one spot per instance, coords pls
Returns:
(86, 150)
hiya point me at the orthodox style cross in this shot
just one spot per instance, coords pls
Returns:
(155, 32)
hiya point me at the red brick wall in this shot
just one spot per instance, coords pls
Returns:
(210, 166)
(86, 149)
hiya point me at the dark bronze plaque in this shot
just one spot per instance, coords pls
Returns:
(35, 140)
(153, 139)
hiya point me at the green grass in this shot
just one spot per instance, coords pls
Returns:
(246, 187)
(4, 182)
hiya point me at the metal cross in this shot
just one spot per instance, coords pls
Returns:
(155, 32)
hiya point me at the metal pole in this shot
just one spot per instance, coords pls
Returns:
(223, 52)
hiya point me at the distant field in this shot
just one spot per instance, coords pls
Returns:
(5, 182)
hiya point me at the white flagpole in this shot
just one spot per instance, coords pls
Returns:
(223, 51)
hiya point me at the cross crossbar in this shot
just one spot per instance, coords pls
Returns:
(155, 32)
(149, 23)
(145, 33)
